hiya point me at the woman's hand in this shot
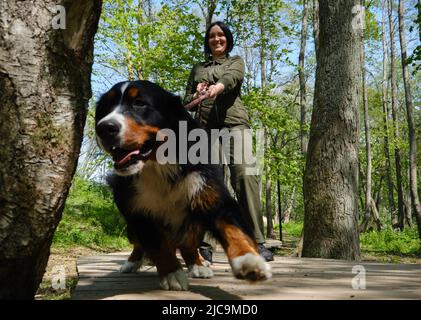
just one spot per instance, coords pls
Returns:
(200, 89)
(215, 89)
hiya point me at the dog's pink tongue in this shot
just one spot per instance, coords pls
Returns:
(127, 158)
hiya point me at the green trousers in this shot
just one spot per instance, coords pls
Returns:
(244, 184)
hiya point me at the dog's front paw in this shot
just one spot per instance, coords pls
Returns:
(176, 281)
(196, 271)
(251, 267)
(130, 267)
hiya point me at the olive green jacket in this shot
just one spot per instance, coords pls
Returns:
(227, 109)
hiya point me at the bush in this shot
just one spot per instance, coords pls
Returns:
(387, 241)
(392, 242)
(90, 218)
(292, 228)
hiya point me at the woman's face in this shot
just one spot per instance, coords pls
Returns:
(217, 41)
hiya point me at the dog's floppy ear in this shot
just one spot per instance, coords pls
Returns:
(102, 106)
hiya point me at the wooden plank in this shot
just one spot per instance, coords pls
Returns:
(293, 278)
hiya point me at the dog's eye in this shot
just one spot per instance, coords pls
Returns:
(140, 106)
(139, 103)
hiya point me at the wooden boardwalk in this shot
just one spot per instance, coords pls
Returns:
(293, 278)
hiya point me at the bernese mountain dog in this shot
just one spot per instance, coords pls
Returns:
(169, 206)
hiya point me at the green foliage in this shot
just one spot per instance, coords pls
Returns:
(263, 29)
(90, 218)
(388, 241)
(293, 228)
(141, 41)
(372, 29)
(161, 42)
(415, 60)
(274, 112)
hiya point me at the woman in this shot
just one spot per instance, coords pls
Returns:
(221, 76)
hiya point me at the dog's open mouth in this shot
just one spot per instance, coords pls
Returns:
(124, 158)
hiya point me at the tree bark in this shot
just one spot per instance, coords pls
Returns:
(416, 206)
(375, 215)
(279, 209)
(378, 193)
(397, 151)
(301, 74)
(45, 88)
(208, 8)
(331, 172)
(269, 227)
(316, 25)
(261, 13)
(289, 206)
(144, 12)
(367, 211)
(370, 205)
(419, 19)
(268, 193)
(390, 188)
(210, 11)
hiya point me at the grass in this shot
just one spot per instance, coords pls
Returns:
(292, 228)
(90, 219)
(90, 224)
(389, 241)
(47, 292)
(386, 245)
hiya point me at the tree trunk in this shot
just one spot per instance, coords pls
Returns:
(287, 214)
(45, 88)
(292, 204)
(368, 197)
(316, 25)
(416, 207)
(269, 227)
(378, 192)
(268, 193)
(408, 207)
(390, 188)
(210, 11)
(289, 205)
(331, 173)
(419, 19)
(375, 215)
(370, 205)
(401, 213)
(144, 11)
(261, 12)
(279, 209)
(301, 74)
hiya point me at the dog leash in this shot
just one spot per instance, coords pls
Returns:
(197, 101)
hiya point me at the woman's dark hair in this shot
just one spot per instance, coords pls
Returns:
(228, 35)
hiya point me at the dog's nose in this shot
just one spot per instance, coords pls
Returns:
(108, 129)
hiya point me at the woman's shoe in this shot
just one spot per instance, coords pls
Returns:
(265, 253)
(206, 253)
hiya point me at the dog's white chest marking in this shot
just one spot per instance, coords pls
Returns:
(159, 197)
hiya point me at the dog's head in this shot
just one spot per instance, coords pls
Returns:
(127, 120)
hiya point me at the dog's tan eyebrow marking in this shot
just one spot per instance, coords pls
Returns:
(133, 92)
